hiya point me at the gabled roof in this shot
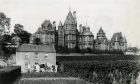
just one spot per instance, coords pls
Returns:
(103, 40)
(46, 23)
(100, 30)
(69, 19)
(60, 23)
(35, 48)
(86, 31)
(117, 36)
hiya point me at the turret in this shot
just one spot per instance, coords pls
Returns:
(54, 25)
(124, 43)
(74, 16)
(100, 34)
(80, 28)
(116, 42)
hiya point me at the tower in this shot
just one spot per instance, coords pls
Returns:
(70, 30)
(124, 43)
(116, 43)
(60, 34)
(100, 34)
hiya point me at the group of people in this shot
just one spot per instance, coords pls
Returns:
(47, 67)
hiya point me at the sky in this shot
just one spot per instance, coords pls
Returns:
(113, 15)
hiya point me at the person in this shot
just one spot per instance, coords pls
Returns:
(61, 68)
(42, 67)
(37, 67)
(27, 67)
(94, 74)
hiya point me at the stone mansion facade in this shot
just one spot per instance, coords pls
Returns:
(69, 36)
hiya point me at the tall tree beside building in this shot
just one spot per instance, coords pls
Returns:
(4, 36)
(20, 32)
(4, 24)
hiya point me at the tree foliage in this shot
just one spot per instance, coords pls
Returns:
(20, 32)
(4, 24)
(37, 41)
(18, 28)
(5, 51)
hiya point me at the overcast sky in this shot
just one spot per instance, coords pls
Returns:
(113, 15)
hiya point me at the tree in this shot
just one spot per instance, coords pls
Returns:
(77, 49)
(4, 24)
(37, 41)
(89, 50)
(18, 28)
(20, 32)
(5, 51)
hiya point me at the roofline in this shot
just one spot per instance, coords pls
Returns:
(35, 51)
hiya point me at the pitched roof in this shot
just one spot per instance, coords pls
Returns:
(60, 23)
(117, 36)
(104, 40)
(46, 24)
(40, 30)
(69, 19)
(86, 31)
(35, 48)
(100, 30)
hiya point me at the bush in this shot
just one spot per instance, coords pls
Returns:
(85, 69)
(9, 74)
(43, 74)
(57, 81)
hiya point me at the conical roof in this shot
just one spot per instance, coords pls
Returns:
(60, 23)
(87, 31)
(100, 30)
(118, 36)
(69, 19)
(124, 40)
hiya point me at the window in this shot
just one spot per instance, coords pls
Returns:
(51, 39)
(26, 56)
(36, 55)
(46, 56)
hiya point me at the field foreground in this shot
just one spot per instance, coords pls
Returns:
(50, 80)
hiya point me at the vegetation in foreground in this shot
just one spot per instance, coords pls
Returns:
(105, 72)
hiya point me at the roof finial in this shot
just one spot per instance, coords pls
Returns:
(69, 7)
(86, 24)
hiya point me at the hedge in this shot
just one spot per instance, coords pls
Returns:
(97, 57)
(43, 74)
(58, 81)
(9, 74)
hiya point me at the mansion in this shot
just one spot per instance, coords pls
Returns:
(68, 35)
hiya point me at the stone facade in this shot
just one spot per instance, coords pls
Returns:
(60, 34)
(29, 54)
(117, 42)
(101, 43)
(86, 38)
(67, 34)
(46, 33)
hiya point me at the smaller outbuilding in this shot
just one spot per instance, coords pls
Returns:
(31, 54)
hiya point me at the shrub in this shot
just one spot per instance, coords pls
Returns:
(43, 74)
(57, 81)
(9, 74)
(84, 69)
